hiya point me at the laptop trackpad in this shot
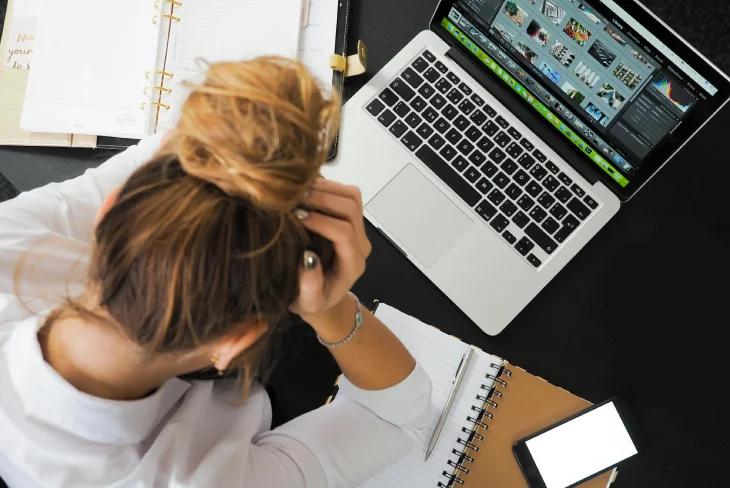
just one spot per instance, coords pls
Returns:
(420, 216)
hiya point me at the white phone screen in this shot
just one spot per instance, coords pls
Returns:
(582, 447)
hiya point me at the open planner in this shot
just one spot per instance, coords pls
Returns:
(496, 405)
(116, 68)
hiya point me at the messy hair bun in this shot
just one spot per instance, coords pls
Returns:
(258, 130)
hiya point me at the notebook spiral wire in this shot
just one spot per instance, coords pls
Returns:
(478, 421)
(154, 91)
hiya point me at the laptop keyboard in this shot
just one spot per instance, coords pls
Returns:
(523, 196)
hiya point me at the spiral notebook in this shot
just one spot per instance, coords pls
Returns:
(496, 405)
(112, 68)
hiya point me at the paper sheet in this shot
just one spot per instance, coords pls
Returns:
(318, 39)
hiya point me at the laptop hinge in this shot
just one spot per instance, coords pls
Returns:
(528, 116)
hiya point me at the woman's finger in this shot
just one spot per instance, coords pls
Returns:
(334, 205)
(339, 189)
(333, 188)
(343, 235)
(311, 285)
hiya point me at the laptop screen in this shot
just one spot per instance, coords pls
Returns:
(622, 97)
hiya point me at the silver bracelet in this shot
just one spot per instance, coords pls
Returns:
(358, 324)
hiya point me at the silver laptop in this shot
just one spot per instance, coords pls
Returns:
(496, 144)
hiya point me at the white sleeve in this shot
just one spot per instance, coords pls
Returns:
(345, 443)
(64, 212)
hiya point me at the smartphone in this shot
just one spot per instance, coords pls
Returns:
(580, 447)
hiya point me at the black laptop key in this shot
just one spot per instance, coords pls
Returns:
(418, 104)
(430, 114)
(513, 191)
(455, 96)
(563, 194)
(527, 144)
(502, 122)
(484, 185)
(558, 211)
(477, 158)
(508, 208)
(563, 234)
(502, 139)
(465, 88)
(438, 101)
(578, 190)
(431, 75)
(499, 223)
(449, 112)
(401, 88)
(524, 246)
(550, 225)
(537, 214)
(579, 209)
(497, 155)
(478, 117)
(473, 134)
(401, 109)
(460, 164)
(496, 197)
(489, 169)
(436, 141)
(546, 200)
(441, 67)
(591, 202)
(453, 78)
(386, 118)
(520, 219)
(521, 178)
(534, 260)
(544, 241)
(420, 65)
(412, 77)
(490, 111)
(539, 156)
(526, 161)
(467, 107)
(486, 210)
(485, 144)
(411, 141)
(443, 86)
(533, 188)
(425, 131)
(448, 175)
(490, 128)
(426, 91)
(465, 147)
(525, 203)
(399, 128)
(509, 237)
(453, 136)
(472, 174)
(413, 120)
(538, 172)
(551, 183)
(461, 122)
(431, 58)
(564, 178)
(442, 125)
(501, 180)
(447, 152)
(571, 222)
(475, 98)
(514, 150)
(388, 97)
(375, 107)
(552, 167)
(509, 166)
(514, 133)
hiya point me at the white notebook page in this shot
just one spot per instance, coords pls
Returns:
(89, 67)
(439, 354)
(318, 39)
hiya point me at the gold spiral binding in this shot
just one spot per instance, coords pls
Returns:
(158, 72)
(173, 2)
(161, 88)
(159, 104)
(167, 16)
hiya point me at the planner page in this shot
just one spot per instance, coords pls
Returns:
(89, 67)
(439, 354)
(318, 39)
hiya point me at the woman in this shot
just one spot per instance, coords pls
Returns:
(198, 245)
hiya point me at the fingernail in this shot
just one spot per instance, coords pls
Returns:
(301, 214)
(310, 260)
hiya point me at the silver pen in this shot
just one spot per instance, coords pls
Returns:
(460, 371)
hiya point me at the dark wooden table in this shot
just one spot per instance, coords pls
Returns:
(639, 312)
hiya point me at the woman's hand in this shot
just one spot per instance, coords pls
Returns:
(336, 213)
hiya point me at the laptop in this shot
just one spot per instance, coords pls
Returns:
(496, 144)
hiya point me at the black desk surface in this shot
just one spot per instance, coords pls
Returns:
(638, 312)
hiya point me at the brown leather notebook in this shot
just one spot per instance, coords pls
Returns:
(496, 405)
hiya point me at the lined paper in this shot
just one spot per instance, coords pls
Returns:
(439, 354)
(318, 39)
